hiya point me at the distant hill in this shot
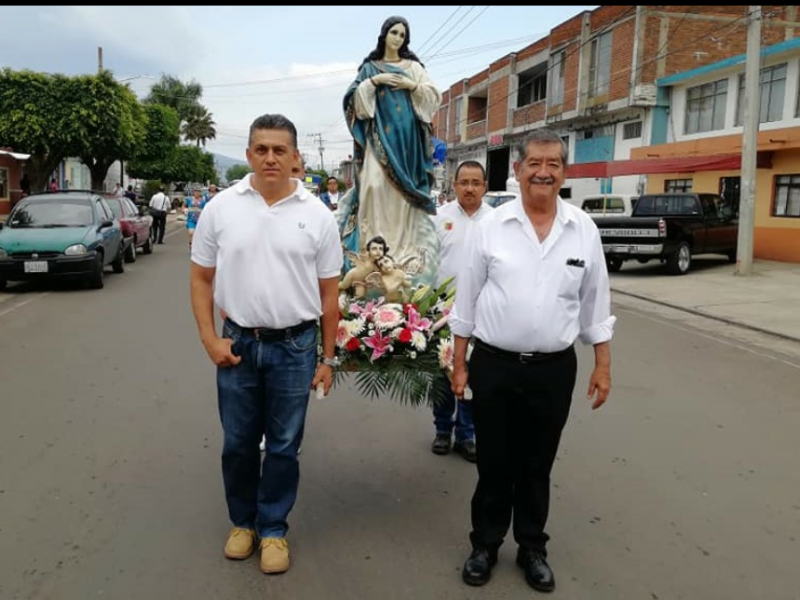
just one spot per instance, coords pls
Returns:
(223, 163)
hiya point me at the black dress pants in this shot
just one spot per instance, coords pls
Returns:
(519, 410)
(159, 226)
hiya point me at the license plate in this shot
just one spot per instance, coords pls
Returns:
(36, 266)
(622, 249)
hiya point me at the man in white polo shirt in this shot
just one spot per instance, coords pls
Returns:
(453, 223)
(534, 280)
(267, 252)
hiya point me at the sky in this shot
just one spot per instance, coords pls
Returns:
(294, 60)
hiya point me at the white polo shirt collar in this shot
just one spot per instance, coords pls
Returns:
(245, 186)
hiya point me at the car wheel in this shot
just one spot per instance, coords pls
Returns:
(97, 276)
(130, 253)
(613, 264)
(118, 264)
(3, 284)
(148, 245)
(732, 256)
(681, 260)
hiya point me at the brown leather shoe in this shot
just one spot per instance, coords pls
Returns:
(274, 555)
(241, 543)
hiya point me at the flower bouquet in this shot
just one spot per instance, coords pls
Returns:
(397, 349)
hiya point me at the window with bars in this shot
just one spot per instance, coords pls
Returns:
(678, 185)
(557, 80)
(705, 107)
(532, 86)
(772, 89)
(631, 131)
(600, 65)
(787, 196)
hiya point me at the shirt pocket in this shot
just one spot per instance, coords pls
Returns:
(570, 282)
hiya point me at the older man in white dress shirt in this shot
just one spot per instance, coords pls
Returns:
(534, 280)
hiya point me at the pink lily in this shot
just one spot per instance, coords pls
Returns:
(415, 321)
(379, 344)
(367, 309)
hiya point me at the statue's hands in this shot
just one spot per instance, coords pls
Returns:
(402, 83)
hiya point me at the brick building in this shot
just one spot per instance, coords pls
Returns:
(594, 78)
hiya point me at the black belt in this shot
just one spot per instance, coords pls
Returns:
(263, 334)
(523, 357)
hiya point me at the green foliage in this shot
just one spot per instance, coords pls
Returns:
(150, 187)
(171, 91)
(36, 118)
(237, 172)
(108, 122)
(199, 126)
(162, 134)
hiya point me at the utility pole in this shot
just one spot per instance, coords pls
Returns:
(752, 96)
(99, 59)
(318, 137)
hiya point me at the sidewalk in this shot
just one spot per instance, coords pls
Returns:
(766, 301)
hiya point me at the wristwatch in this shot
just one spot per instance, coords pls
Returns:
(331, 362)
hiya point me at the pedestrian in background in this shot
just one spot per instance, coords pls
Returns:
(453, 223)
(159, 207)
(192, 208)
(534, 280)
(330, 197)
(266, 357)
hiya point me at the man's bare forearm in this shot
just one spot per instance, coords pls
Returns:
(602, 355)
(202, 294)
(460, 345)
(329, 321)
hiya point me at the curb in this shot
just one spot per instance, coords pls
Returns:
(706, 315)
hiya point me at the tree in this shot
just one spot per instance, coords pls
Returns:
(183, 163)
(36, 118)
(199, 126)
(171, 91)
(109, 123)
(162, 137)
(236, 172)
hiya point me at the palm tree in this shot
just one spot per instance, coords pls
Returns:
(171, 91)
(199, 126)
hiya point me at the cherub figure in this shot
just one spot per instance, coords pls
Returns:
(394, 280)
(365, 263)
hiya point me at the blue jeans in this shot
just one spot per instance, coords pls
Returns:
(449, 414)
(266, 393)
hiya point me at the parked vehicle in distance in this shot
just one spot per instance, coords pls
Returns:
(495, 199)
(672, 228)
(600, 206)
(62, 234)
(136, 226)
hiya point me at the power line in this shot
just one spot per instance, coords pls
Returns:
(425, 43)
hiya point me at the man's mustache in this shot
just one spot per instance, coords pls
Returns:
(548, 180)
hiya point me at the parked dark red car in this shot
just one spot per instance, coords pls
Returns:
(134, 225)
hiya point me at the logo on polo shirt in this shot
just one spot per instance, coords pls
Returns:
(448, 225)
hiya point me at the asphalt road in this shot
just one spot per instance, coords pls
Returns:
(684, 486)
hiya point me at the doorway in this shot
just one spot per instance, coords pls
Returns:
(497, 170)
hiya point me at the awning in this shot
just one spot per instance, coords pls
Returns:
(682, 164)
(16, 155)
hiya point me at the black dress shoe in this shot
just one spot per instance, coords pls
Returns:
(478, 568)
(466, 449)
(538, 573)
(441, 444)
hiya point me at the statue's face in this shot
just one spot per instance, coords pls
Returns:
(396, 37)
(375, 251)
(385, 264)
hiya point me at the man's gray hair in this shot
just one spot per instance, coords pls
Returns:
(543, 135)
